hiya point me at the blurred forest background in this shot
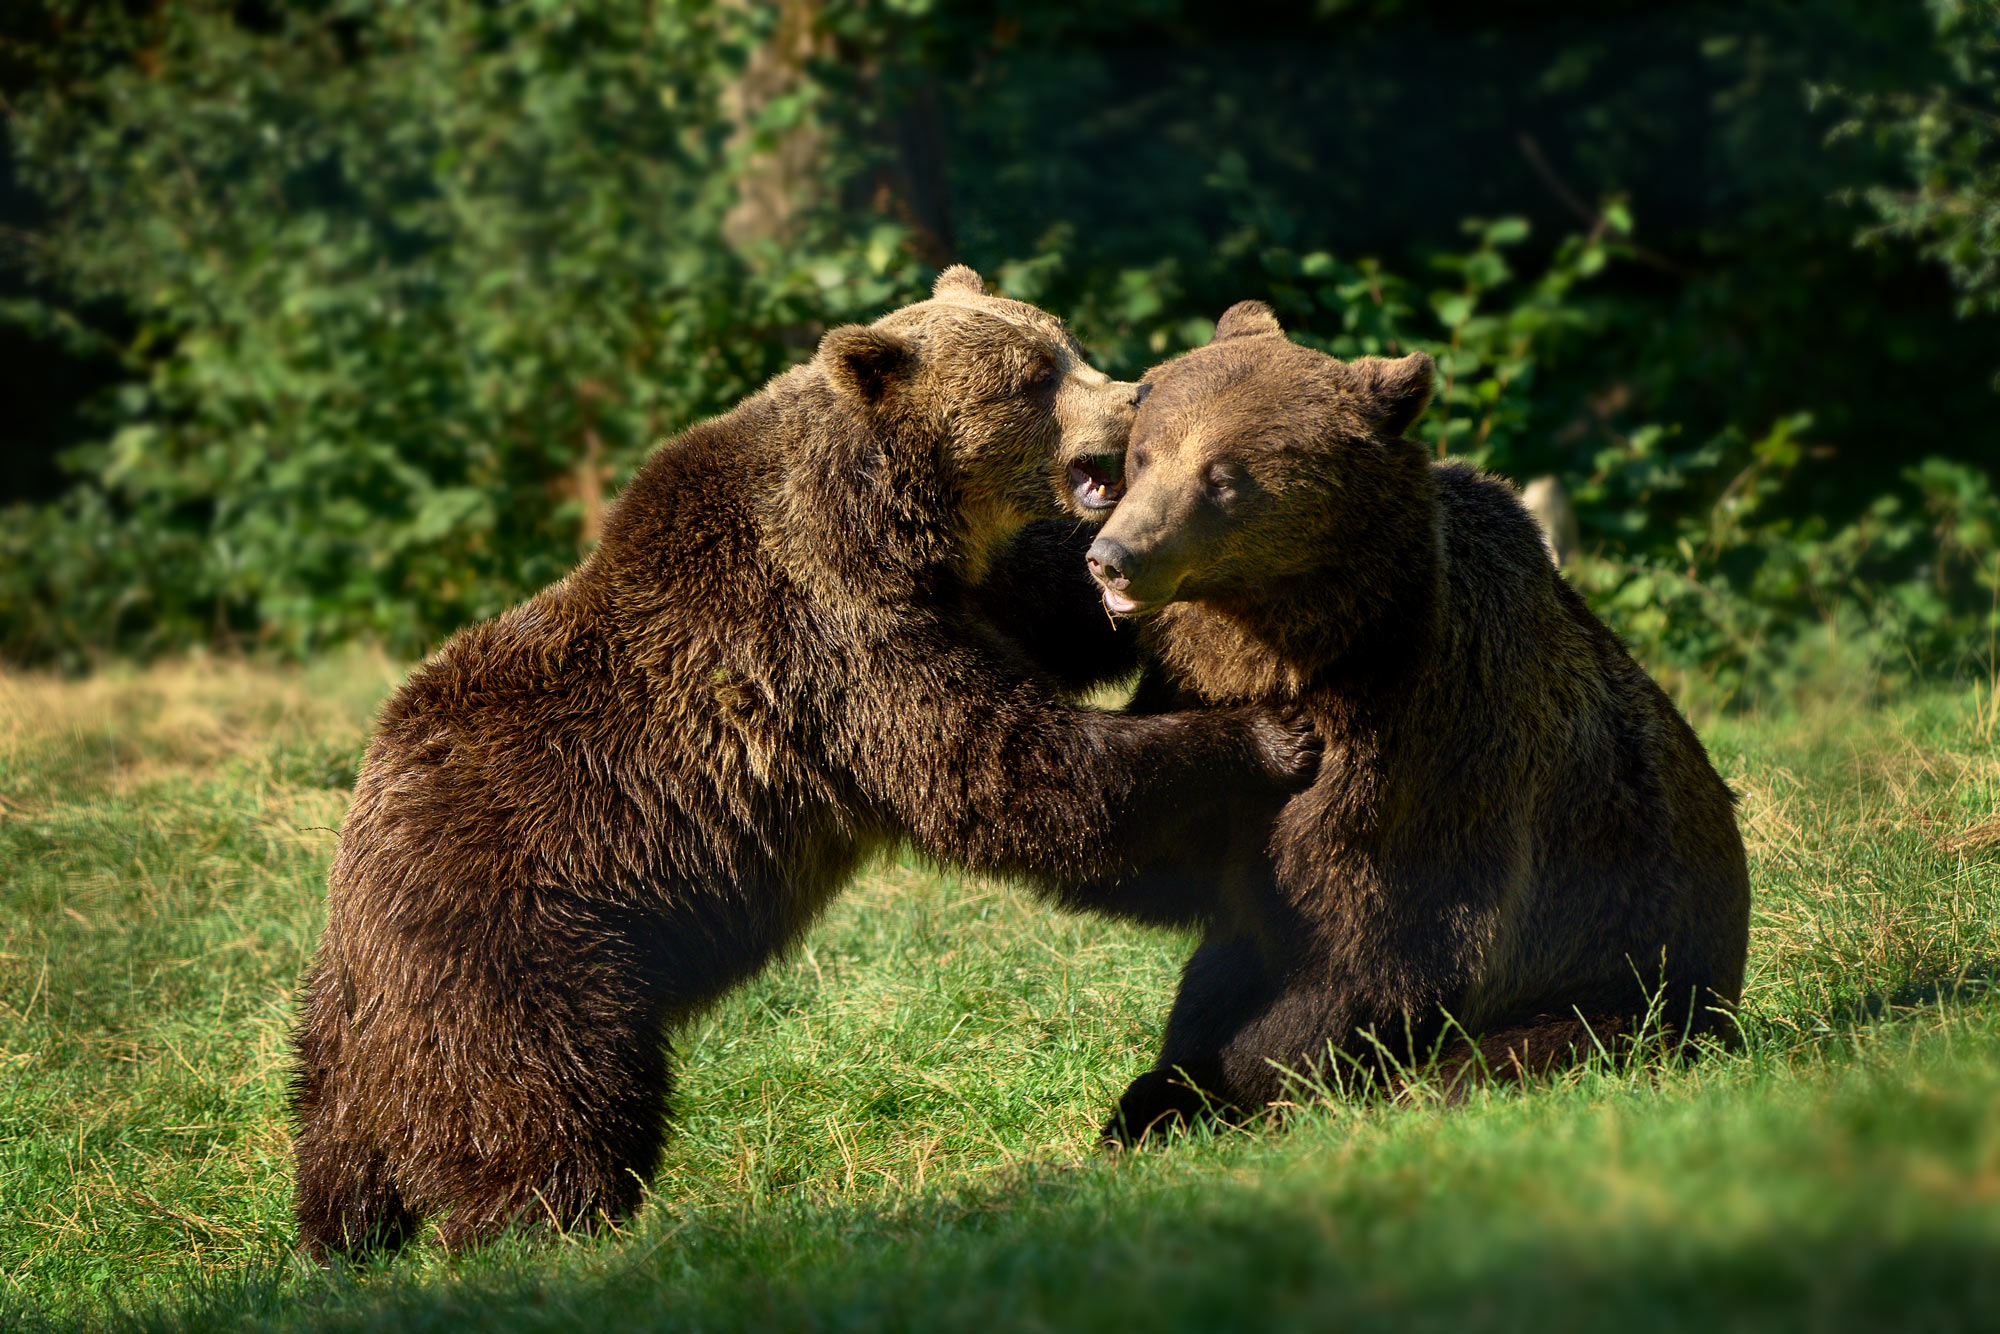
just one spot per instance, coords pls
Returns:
(342, 320)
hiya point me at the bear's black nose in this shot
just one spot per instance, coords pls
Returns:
(1107, 558)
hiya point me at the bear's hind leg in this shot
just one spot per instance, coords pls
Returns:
(345, 1199)
(1533, 1050)
(524, 1083)
(580, 1163)
(346, 1204)
(538, 1097)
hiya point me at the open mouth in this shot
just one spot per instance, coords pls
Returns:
(1098, 480)
(1117, 603)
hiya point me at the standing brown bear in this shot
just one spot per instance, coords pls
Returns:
(583, 820)
(1511, 825)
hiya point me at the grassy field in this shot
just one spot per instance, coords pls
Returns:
(894, 1128)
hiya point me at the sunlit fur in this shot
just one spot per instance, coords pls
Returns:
(585, 819)
(1512, 825)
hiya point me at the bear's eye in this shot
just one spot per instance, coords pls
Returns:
(1043, 374)
(1224, 482)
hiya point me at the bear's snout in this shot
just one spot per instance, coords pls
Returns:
(1110, 563)
(1107, 559)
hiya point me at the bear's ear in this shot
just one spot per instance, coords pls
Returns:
(958, 278)
(1394, 391)
(1244, 318)
(863, 362)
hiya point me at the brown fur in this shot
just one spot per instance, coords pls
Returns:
(1511, 826)
(585, 819)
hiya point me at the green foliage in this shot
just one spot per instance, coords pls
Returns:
(1948, 136)
(1486, 328)
(402, 291)
(413, 285)
(1756, 601)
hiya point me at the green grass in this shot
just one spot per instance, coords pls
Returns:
(894, 1129)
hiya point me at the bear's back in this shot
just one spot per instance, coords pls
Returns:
(1629, 839)
(639, 697)
(1513, 651)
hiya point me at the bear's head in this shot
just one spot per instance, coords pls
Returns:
(990, 402)
(1254, 463)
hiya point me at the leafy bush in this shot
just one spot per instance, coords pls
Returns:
(413, 286)
(401, 291)
(1948, 136)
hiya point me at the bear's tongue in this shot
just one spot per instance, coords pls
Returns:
(1118, 602)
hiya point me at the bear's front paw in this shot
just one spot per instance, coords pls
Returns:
(1157, 1102)
(1287, 744)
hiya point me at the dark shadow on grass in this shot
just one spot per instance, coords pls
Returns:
(1264, 1231)
(1085, 1248)
(1977, 980)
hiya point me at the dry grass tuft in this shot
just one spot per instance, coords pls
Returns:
(190, 714)
(1983, 837)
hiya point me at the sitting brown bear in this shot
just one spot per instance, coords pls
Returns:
(1512, 828)
(585, 819)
